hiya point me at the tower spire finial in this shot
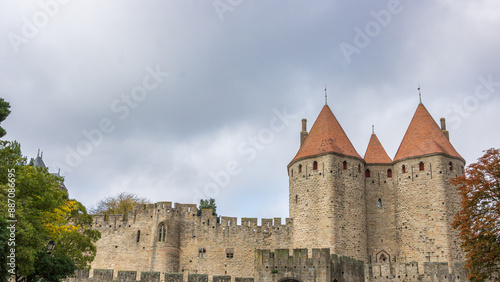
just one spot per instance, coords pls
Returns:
(419, 94)
(373, 129)
(326, 97)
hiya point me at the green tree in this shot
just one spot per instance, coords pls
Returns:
(53, 267)
(207, 204)
(43, 213)
(4, 112)
(478, 221)
(119, 204)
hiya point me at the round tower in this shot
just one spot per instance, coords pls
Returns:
(427, 202)
(165, 248)
(326, 199)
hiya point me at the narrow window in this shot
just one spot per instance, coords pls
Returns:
(291, 172)
(161, 232)
(344, 165)
(300, 168)
(389, 173)
(367, 173)
(202, 253)
(421, 166)
(315, 165)
(229, 253)
(138, 236)
(450, 165)
(404, 169)
(296, 198)
(379, 203)
(359, 168)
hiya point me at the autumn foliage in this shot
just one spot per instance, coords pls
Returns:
(478, 221)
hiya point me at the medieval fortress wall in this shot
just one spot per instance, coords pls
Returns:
(188, 244)
(351, 219)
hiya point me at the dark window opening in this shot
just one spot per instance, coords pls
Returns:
(315, 165)
(404, 169)
(359, 168)
(300, 168)
(367, 173)
(379, 203)
(202, 253)
(389, 173)
(450, 165)
(383, 258)
(421, 166)
(138, 236)
(161, 233)
(229, 253)
(344, 165)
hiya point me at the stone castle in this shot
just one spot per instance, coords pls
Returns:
(351, 219)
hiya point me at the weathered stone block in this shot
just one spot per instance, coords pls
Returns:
(222, 278)
(198, 278)
(103, 275)
(174, 277)
(150, 276)
(127, 276)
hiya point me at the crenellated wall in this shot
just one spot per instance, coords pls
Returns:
(190, 243)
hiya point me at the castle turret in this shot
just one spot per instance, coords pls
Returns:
(427, 202)
(327, 200)
(380, 204)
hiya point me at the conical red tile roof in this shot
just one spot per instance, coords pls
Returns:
(375, 153)
(424, 137)
(326, 136)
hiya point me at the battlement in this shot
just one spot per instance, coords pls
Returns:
(413, 271)
(321, 266)
(147, 276)
(188, 212)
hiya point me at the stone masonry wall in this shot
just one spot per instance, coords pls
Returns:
(229, 248)
(190, 244)
(426, 204)
(381, 215)
(328, 204)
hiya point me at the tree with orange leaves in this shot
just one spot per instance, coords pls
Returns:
(478, 221)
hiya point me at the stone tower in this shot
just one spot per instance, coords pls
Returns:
(380, 204)
(426, 201)
(327, 197)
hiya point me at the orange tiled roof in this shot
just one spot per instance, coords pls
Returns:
(424, 137)
(375, 153)
(326, 136)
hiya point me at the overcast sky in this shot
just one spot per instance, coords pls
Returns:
(177, 100)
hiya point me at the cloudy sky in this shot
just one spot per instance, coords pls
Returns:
(176, 100)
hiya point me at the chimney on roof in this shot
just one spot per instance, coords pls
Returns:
(443, 128)
(303, 133)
